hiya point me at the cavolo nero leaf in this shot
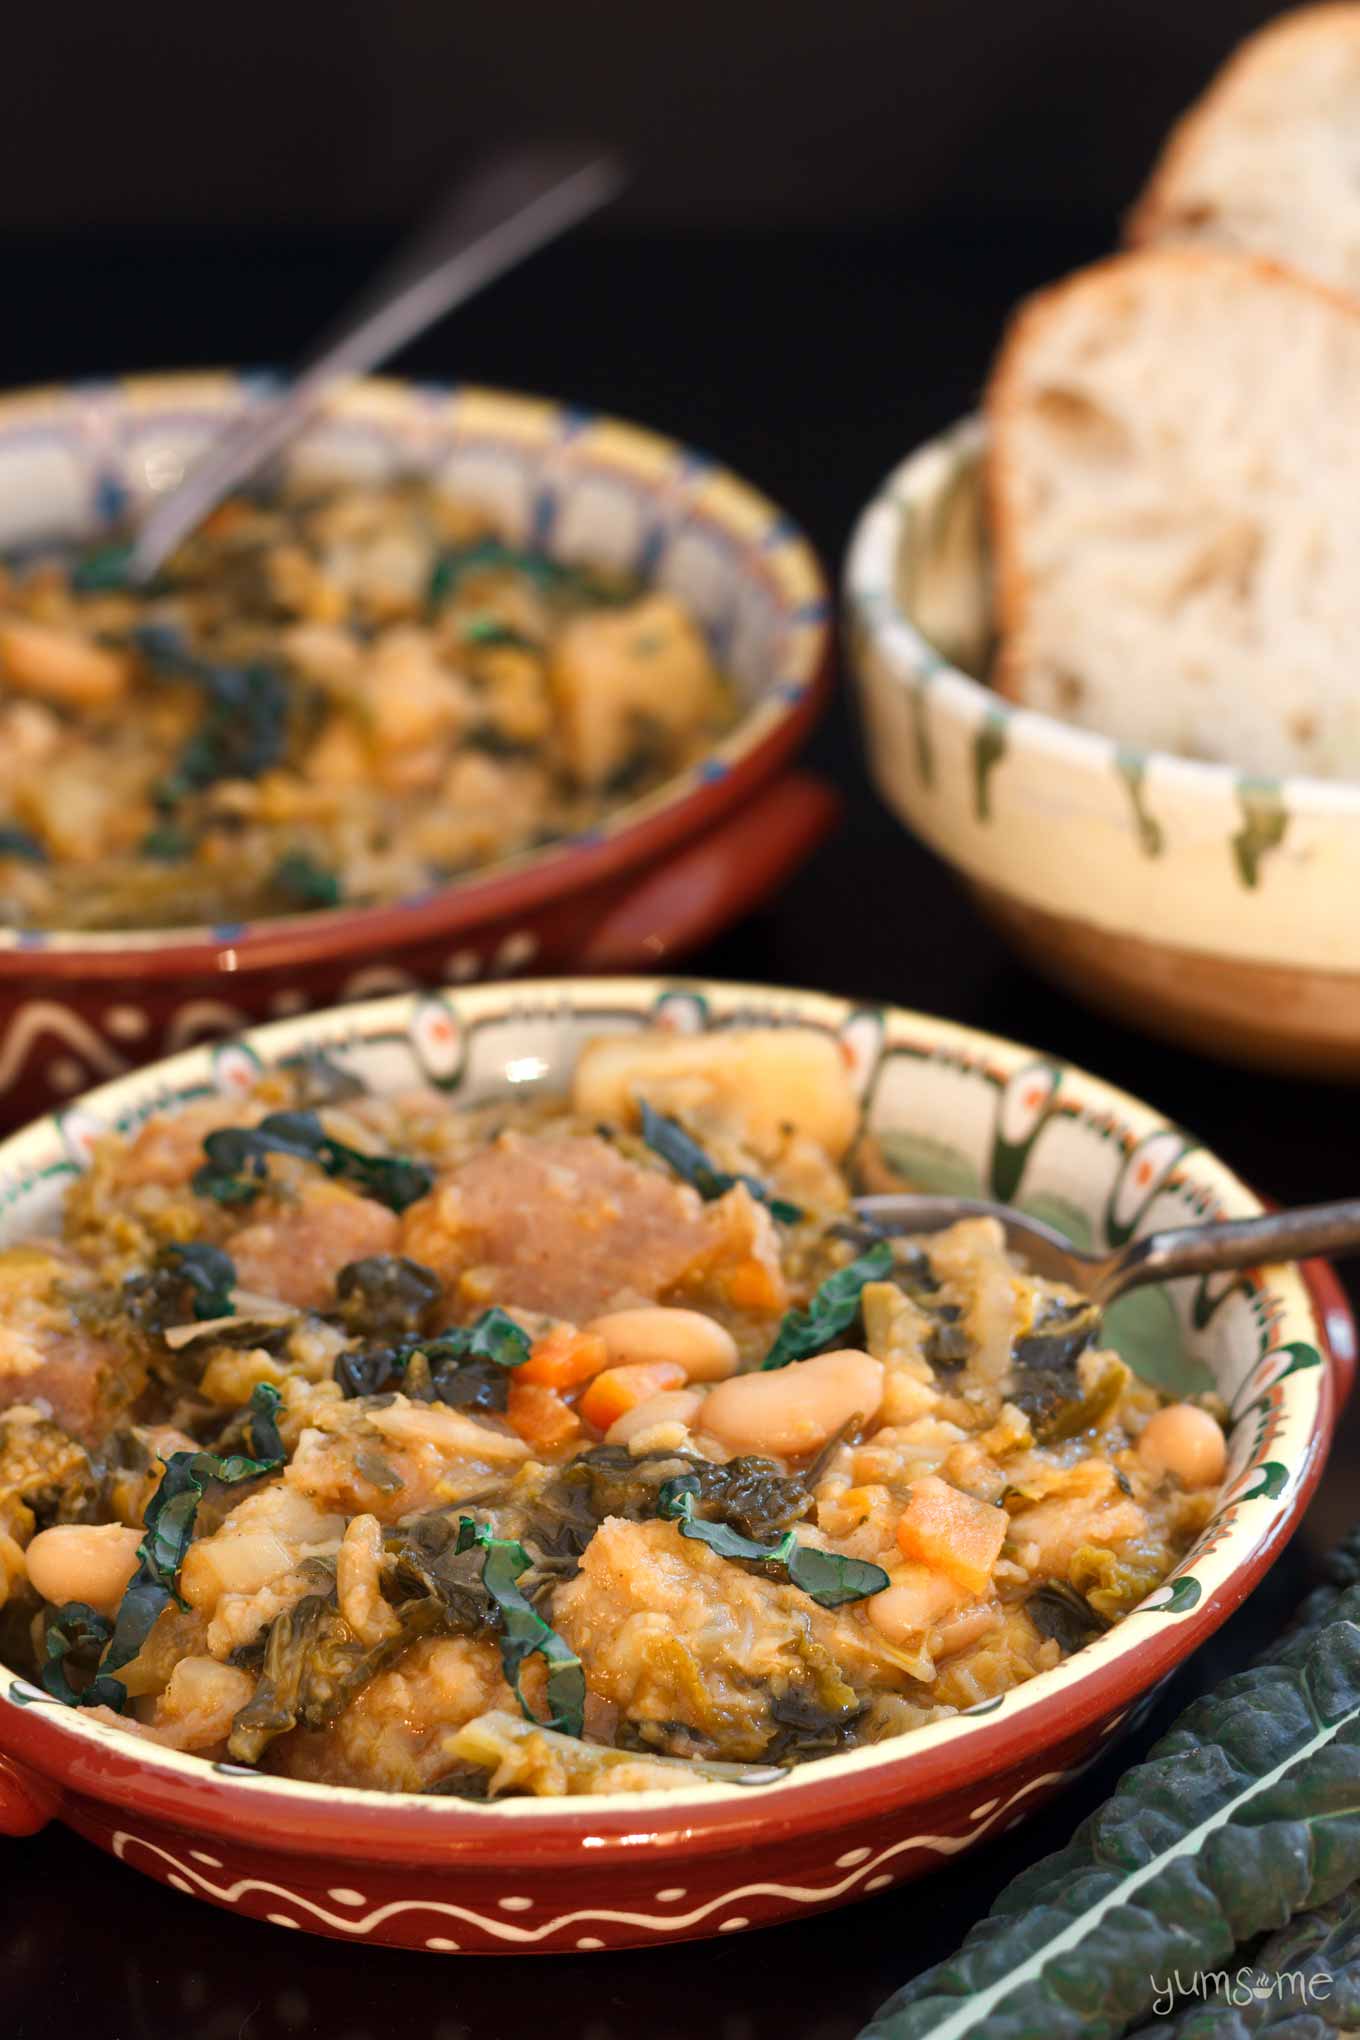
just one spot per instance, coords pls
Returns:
(496, 1336)
(828, 1578)
(244, 726)
(1340, 1572)
(169, 1521)
(167, 842)
(463, 1367)
(314, 1665)
(1058, 1610)
(1300, 1984)
(235, 1170)
(21, 843)
(523, 1631)
(76, 1637)
(486, 555)
(187, 1280)
(386, 1295)
(1245, 1814)
(550, 576)
(667, 1138)
(751, 1493)
(102, 568)
(262, 1423)
(832, 1310)
(319, 1080)
(300, 880)
(170, 1514)
(492, 631)
(208, 1274)
(824, 1576)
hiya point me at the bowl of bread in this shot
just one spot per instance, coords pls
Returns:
(1107, 633)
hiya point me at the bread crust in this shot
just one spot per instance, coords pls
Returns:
(1005, 396)
(1156, 213)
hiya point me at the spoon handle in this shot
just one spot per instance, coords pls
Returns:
(515, 206)
(1234, 1243)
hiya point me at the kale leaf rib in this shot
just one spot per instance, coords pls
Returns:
(1245, 1814)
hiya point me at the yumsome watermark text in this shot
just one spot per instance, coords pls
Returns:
(1245, 1986)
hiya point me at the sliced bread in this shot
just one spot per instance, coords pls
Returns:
(1174, 482)
(1268, 160)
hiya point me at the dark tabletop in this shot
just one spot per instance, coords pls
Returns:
(811, 364)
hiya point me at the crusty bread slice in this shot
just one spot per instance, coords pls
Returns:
(1174, 482)
(1268, 160)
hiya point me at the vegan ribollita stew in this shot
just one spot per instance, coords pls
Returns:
(584, 1444)
(337, 695)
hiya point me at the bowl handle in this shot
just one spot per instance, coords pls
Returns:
(680, 902)
(26, 1803)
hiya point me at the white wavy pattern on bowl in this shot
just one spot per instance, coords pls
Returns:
(953, 1109)
(862, 1869)
(349, 1913)
(576, 485)
(1199, 856)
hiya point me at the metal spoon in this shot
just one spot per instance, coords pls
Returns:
(511, 208)
(1156, 1257)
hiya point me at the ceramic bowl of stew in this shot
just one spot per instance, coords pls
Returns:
(1186, 898)
(951, 1109)
(656, 873)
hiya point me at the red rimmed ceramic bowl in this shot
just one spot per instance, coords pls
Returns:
(660, 875)
(953, 1110)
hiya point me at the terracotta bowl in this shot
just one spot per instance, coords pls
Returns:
(952, 1109)
(662, 874)
(1185, 898)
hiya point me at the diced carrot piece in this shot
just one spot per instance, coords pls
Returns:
(539, 1414)
(620, 1389)
(951, 1532)
(225, 519)
(751, 1285)
(564, 1358)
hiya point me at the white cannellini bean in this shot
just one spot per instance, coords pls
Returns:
(704, 1348)
(917, 1598)
(794, 1410)
(1186, 1441)
(671, 1406)
(90, 1562)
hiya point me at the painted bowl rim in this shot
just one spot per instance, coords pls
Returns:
(764, 736)
(871, 583)
(110, 1765)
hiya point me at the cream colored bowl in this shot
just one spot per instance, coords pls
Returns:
(1188, 899)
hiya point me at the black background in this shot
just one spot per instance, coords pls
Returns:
(739, 112)
(809, 283)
